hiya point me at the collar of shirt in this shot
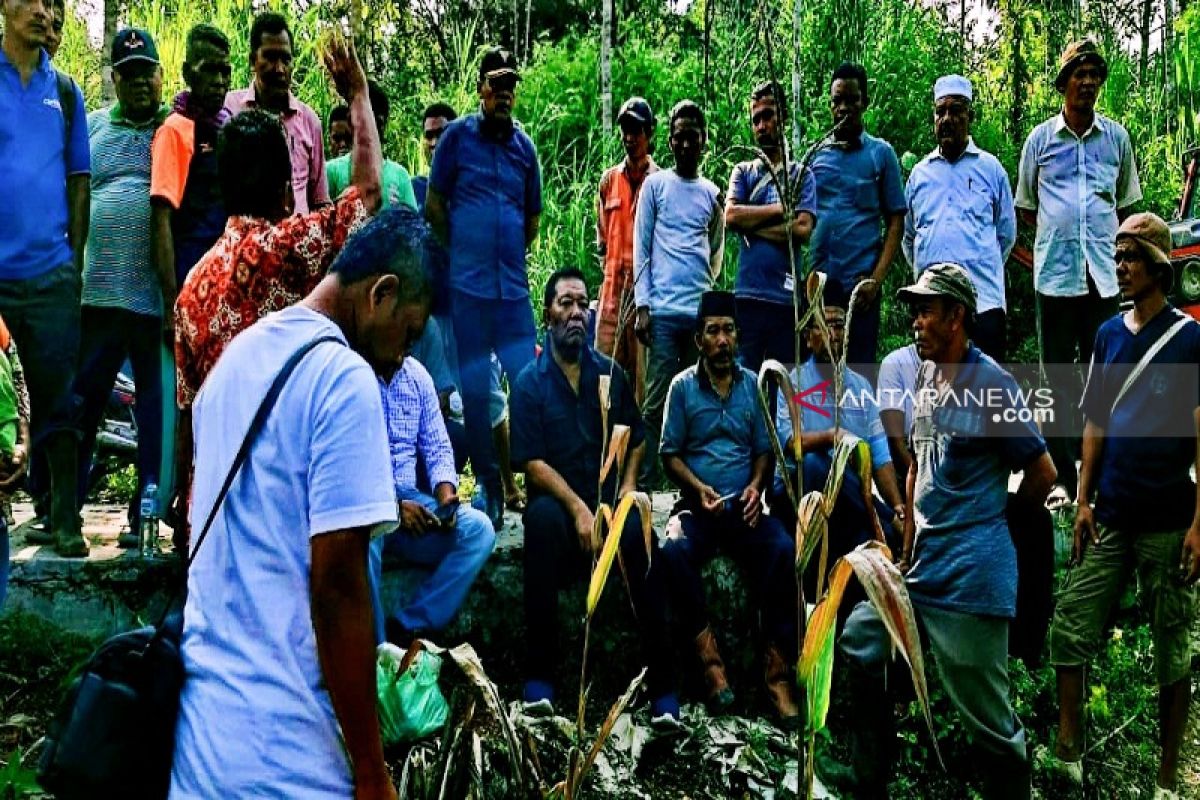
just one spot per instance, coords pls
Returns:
(43, 66)
(972, 149)
(706, 383)
(1060, 125)
(849, 145)
(546, 364)
(252, 101)
(623, 167)
(117, 116)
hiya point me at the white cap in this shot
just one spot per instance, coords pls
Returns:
(951, 85)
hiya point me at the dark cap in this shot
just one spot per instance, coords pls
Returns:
(1075, 54)
(498, 62)
(716, 304)
(638, 110)
(133, 44)
(942, 280)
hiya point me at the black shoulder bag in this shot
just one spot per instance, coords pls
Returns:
(114, 733)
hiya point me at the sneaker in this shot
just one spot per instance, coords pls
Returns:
(1057, 498)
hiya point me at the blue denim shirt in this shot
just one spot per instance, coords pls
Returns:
(857, 186)
(763, 272)
(962, 212)
(491, 187)
(551, 423)
(963, 557)
(717, 438)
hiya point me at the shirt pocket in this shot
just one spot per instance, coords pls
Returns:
(866, 194)
(1102, 180)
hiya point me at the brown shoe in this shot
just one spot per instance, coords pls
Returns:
(720, 696)
(781, 681)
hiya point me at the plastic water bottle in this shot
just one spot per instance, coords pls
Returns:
(148, 514)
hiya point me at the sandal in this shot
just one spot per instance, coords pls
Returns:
(1057, 498)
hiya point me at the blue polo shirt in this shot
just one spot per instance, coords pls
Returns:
(963, 557)
(1144, 483)
(33, 229)
(857, 184)
(763, 272)
(491, 186)
(551, 423)
(718, 438)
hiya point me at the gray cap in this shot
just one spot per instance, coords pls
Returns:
(942, 280)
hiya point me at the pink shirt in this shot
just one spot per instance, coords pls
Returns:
(306, 142)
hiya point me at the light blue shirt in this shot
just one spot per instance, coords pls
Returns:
(1076, 183)
(857, 188)
(255, 716)
(859, 411)
(678, 242)
(962, 212)
(898, 381)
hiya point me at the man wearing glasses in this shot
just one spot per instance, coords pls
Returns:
(484, 201)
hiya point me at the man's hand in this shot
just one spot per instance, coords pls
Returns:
(585, 529)
(868, 294)
(344, 68)
(898, 510)
(1189, 559)
(416, 518)
(12, 472)
(1085, 532)
(751, 500)
(380, 789)
(641, 325)
(710, 501)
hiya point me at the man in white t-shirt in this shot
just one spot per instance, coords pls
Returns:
(278, 643)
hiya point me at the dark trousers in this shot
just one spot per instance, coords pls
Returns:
(1068, 327)
(553, 559)
(849, 525)
(482, 327)
(109, 336)
(989, 333)
(765, 330)
(765, 554)
(672, 350)
(863, 342)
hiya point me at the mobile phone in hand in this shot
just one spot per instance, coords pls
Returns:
(447, 514)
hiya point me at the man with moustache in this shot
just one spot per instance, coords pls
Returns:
(960, 210)
(716, 448)
(1076, 182)
(766, 276)
(558, 437)
(963, 578)
(1138, 513)
(484, 203)
(619, 189)
(860, 209)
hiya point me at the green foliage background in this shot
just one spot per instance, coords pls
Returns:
(714, 52)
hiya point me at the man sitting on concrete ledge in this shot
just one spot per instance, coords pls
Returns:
(557, 437)
(435, 530)
(717, 450)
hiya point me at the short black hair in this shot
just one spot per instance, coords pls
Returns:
(253, 163)
(560, 274)
(772, 90)
(390, 243)
(439, 109)
(847, 71)
(269, 22)
(339, 113)
(687, 109)
(380, 105)
(205, 35)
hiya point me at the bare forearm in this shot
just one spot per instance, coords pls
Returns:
(891, 246)
(435, 215)
(342, 624)
(532, 226)
(1039, 477)
(889, 486)
(366, 155)
(752, 219)
(163, 251)
(546, 478)
(633, 463)
(79, 200)
(682, 474)
(813, 441)
(1196, 517)
(910, 522)
(761, 471)
(1091, 447)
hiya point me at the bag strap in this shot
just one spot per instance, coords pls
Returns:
(1158, 345)
(256, 426)
(66, 104)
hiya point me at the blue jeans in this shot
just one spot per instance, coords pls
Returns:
(482, 327)
(456, 556)
(109, 335)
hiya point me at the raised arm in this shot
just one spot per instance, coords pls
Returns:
(366, 155)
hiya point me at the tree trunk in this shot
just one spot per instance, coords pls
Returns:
(1144, 33)
(528, 15)
(606, 42)
(1017, 69)
(962, 35)
(708, 23)
(112, 10)
(795, 111)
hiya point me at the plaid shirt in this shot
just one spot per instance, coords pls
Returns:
(415, 427)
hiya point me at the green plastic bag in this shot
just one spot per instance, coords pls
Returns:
(411, 706)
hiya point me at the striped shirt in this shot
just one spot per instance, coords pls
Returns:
(119, 269)
(415, 428)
